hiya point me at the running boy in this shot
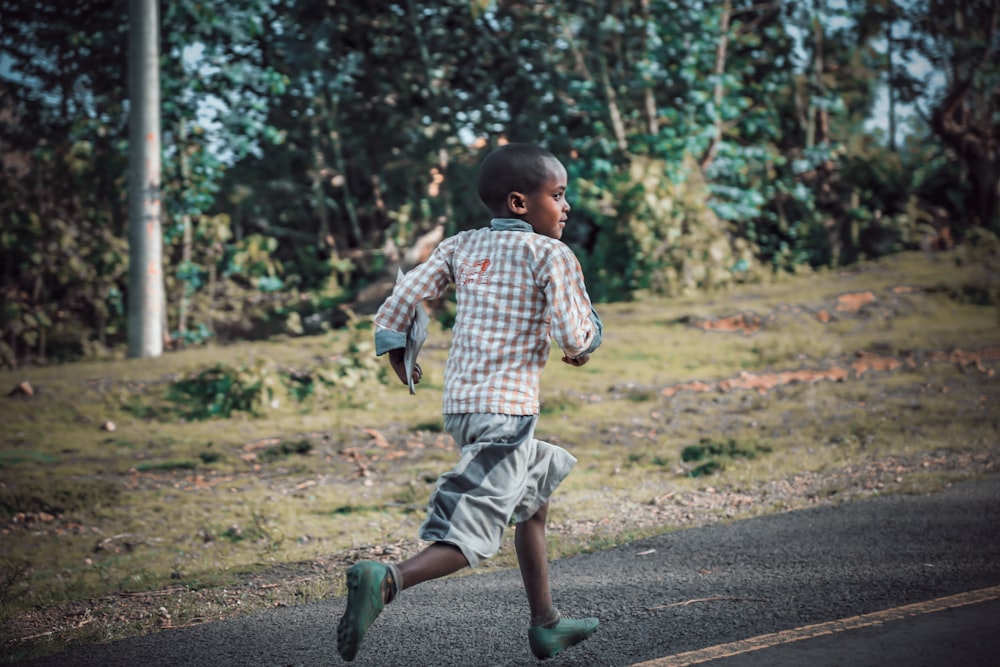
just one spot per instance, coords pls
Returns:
(517, 286)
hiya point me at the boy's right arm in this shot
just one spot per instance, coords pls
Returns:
(393, 342)
(425, 281)
(396, 360)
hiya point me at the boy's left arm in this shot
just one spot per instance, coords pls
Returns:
(576, 326)
(581, 359)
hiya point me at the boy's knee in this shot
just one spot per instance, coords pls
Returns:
(541, 514)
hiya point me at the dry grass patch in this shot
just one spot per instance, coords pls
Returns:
(208, 518)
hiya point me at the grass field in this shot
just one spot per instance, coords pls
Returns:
(123, 509)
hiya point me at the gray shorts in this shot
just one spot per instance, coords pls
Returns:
(504, 474)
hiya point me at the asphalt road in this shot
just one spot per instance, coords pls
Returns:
(899, 580)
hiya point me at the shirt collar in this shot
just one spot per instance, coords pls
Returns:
(510, 225)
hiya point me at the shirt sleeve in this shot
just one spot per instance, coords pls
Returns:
(576, 326)
(425, 281)
(598, 331)
(387, 340)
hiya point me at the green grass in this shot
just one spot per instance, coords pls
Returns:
(167, 500)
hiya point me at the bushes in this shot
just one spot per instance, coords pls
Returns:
(223, 389)
(63, 258)
(655, 232)
(258, 386)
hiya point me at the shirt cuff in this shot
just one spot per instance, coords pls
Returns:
(595, 319)
(387, 339)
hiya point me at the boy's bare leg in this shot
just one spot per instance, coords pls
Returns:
(533, 560)
(550, 633)
(371, 585)
(438, 560)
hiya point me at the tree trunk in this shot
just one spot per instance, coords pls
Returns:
(649, 99)
(891, 87)
(614, 109)
(965, 119)
(145, 297)
(333, 129)
(719, 92)
(184, 302)
(614, 112)
(816, 132)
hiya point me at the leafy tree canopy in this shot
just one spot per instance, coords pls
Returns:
(310, 146)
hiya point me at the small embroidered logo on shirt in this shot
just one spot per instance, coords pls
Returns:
(474, 273)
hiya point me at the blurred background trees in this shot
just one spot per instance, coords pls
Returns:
(310, 145)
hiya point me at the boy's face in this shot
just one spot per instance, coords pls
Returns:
(546, 209)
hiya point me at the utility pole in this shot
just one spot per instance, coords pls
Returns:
(145, 274)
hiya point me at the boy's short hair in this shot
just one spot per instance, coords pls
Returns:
(512, 167)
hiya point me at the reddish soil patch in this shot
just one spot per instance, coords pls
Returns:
(863, 362)
(744, 323)
(695, 386)
(853, 302)
(965, 359)
(764, 382)
(748, 323)
(869, 361)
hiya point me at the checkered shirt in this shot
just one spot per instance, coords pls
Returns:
(515, 291)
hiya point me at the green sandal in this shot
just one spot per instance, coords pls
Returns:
(364, 604)
(547, 642)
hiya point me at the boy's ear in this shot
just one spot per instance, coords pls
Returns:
(517, 203)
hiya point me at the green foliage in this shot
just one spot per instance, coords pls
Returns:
(307, 144)
(558, 403)
(436, 426)
(258, 531)
(11, 458)
(58, 496)
(709, 456)
(339, 374)
(223, 389)
(64, 259)
(285, 449)
(252, 258)
(964, 113)
(166, 466)
(254, 388)
(210, 457)
(668, 240)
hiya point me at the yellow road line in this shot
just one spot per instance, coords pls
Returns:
(822, 629)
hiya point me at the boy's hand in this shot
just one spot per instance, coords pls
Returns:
(396, 361)
(576, 361)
